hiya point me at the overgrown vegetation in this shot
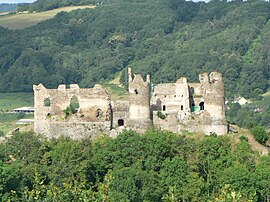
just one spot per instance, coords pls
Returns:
(155, 166)
(167, 39)
(245, 116)
(260, 134)
(161, 115)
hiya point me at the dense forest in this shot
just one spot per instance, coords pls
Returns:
(155, 166)
(167, 39)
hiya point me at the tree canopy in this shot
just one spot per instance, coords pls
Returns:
(155, 166)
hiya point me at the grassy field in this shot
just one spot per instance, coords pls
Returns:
(23, 20)
(8, 121)
(9, 101)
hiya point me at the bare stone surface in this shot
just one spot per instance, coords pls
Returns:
(185, 106)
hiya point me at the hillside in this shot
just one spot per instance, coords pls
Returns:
(167, 39)
(7, 7)
(23, 20)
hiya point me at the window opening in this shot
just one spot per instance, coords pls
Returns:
(98, 113)
(201, 105)
(120, 122)
(182, 107)
(74, 104)
(136, 91)
(47, 102)
(164, 108)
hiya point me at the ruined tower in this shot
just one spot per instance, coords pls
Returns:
(139, 101)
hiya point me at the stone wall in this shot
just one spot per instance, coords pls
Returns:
(57, 117)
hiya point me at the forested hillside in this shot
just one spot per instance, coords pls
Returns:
(167, 39)
(156, 166)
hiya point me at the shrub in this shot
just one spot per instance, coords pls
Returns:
(243, 138)
(2, 134)
(260, 134)
(161, 115)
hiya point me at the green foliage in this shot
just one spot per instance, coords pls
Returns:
(243, 138)
(245, 116)
(161, 115)
(260, 134)
(155, 166)
(69, 111)
(2, 134)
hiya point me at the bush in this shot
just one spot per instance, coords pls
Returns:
(2, 134)
(161, 115)
(243, 138)
(260, 134)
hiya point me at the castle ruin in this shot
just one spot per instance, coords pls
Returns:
(173, 106)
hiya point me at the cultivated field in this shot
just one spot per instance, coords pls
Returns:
(9, 101)
(23, 20)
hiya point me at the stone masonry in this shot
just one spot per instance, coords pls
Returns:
(173, 106)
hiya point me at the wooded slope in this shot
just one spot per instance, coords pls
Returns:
(166, 39)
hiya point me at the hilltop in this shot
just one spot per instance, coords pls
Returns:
(24, 20)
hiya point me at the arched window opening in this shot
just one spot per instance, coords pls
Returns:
(182, 107)
(136, 91)
(121, 122)
(201, 105)
(164, 108)
(98, 113)
(47, 102)
(74, 104)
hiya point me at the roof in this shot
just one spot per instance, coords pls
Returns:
(238, 99)
(25, 121)
(22, 109)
